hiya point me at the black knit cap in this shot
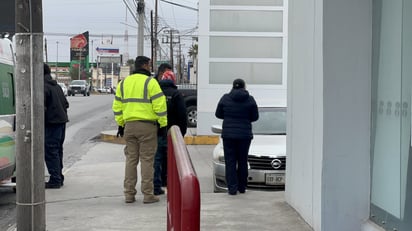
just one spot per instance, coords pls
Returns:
(238, 83)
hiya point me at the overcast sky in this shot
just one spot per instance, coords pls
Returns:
(105, 19)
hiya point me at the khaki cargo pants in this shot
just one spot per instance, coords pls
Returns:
(141, 145)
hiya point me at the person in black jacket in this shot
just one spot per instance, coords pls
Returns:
(238, 110)
(162, 69)
(176, 115)
(55, 119)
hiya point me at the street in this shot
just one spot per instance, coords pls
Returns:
(88, 117)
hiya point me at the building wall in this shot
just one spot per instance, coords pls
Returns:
(305, 110)
(261, 63)
(328, 168)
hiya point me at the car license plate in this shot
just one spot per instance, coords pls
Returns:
(275, 179)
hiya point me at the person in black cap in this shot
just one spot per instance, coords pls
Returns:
(55, 119)
(238, 109)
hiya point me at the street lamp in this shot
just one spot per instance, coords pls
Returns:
(57, 59)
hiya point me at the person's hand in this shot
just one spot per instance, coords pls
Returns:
(162, 131)
(120, 131)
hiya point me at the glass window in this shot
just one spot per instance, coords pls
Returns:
(391, 167)
(246, 21)
(252, 73)
(245, 47)
(247, 2)
(272, 121)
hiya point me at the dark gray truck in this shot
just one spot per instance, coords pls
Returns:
(189, 93)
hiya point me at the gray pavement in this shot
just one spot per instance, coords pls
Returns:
(92, 199)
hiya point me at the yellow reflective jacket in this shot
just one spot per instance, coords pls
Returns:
(139, 97)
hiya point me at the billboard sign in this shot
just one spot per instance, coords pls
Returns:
(102, 50)
(79, 46)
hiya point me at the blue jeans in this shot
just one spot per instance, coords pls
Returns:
(53, 151)
(159, 162)
(236, 154)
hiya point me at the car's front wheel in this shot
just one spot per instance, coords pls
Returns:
(191, 116)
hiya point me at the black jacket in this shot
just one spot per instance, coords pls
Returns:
(55, 103)
(176, 109)
(238, 110)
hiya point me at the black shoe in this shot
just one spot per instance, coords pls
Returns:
(53, 186)
(232, 193)
(158, 192)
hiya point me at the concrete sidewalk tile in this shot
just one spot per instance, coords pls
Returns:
(92, 199)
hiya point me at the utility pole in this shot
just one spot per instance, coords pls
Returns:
(80, 63)
(171, 48)
(57, 59)
(155, 37)
(180, 62)
(152, 41)
(140, 36)
(45, 49)
(30, 198)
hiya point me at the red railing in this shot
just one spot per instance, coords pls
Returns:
(183, 191)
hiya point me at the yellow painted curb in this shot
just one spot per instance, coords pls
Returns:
(112, 139)
(201, 140)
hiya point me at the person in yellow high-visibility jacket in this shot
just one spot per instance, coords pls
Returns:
(140, 111)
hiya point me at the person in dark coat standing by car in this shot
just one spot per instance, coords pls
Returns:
(55, 119)
(238, 109)
(176, 115)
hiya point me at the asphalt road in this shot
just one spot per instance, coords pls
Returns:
(88, 117)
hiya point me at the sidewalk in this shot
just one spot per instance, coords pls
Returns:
(92, 199)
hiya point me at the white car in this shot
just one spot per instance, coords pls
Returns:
(64, 88)
(104, 90)
(267, 152)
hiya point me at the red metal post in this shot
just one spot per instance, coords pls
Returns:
(183, 190)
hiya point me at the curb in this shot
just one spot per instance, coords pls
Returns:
(110, 137)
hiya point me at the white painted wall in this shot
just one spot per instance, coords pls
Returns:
(328, 168)
(209, 94)
(305, 110)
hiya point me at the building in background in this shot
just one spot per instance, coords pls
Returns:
(349, 77)
(240, 39)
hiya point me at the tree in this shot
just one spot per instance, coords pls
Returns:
(74, 73)
(193, 51)
(130, 63)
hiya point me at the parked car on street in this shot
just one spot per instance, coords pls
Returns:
(189, 93)
(104, 90)
(267, 152)
(64, 88)
(79, 87)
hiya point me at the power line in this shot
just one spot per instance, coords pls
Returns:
(183, 6)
